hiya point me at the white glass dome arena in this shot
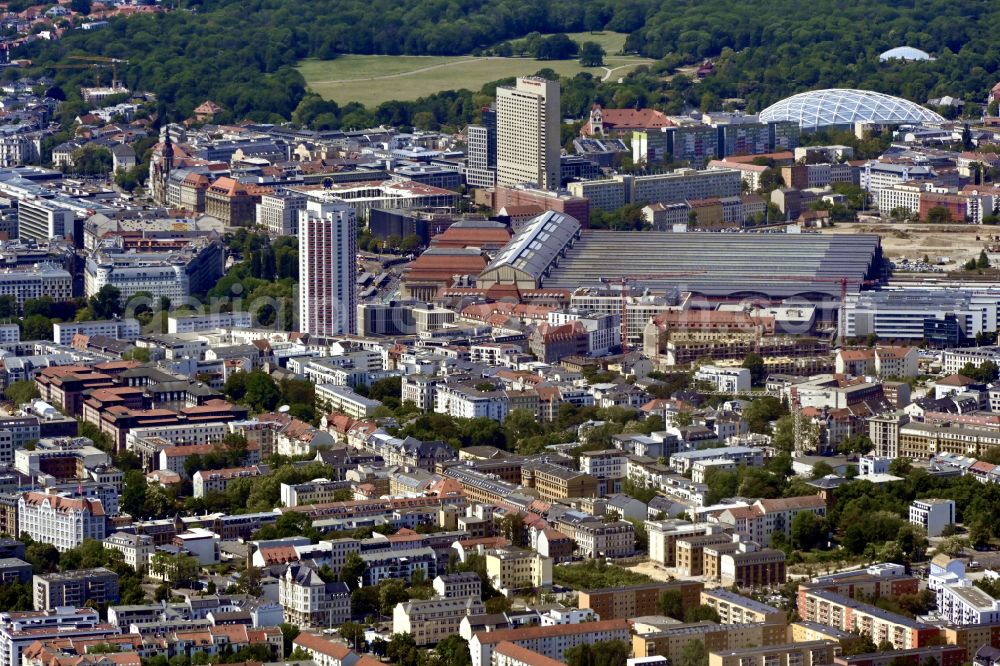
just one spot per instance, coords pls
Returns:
(842, 107)
(904, 53)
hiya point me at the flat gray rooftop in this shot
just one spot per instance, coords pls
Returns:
(726, 264)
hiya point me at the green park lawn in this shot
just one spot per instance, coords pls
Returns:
(373, 79)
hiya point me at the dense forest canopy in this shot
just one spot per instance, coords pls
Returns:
(242, 53)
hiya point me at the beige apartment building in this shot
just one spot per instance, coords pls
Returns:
(813, 653)
(671, 641)
(528, 133)
(748, 568)
(637, 600)
(516, 569)
(664, 534)
(894, 435)
(689, 556)
(737, 609)
(555, 482)
(432, 620)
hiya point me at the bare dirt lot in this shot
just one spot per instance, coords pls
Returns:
(958, 242)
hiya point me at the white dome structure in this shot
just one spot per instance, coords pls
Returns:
(843, 107)
(904, 53)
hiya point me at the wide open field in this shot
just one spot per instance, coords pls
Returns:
(956, 241)
(373, 79)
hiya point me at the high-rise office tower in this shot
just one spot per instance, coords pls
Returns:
(481, 155)
(528, 145)
(328, 246)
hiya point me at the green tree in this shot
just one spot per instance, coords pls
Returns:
(134, 493)
(249, 582)
(521, 424)
(352, 571)
(769, 180)
(16, 596)
(821, 469)
(760, 412)
(855, 444)
(983, 261)
(591, 54)
(235, 387)
(694, 654)
(354, 635)
(671, 604)
(512, 527)
(106, 303)
(556, 47)
(140, 354)
(91, 160)
(755, 364)
(806, 530)
(8, 306)
(36, 327)
(454, 651)
(701, 613)
(899, 466)
(939, 215)
(261, 391)
(402, 650)
(858, 644)
(986, 372)
(43, 557)
(21, 392)
(601, 653)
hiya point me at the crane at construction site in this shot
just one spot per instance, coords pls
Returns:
(97, 63)
(625, 280)
(843, 282)
(103, 61)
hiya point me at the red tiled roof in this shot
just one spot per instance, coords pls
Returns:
(444, 267)
(65, 504)
(322, 645)
(634, 118)
(472, 237)
(279, 555)
(955, 380)
(788, 503)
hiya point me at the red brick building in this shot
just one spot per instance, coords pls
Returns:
(578, 207)
(956, 205)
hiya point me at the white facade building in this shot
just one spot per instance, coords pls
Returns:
(205, 322)
(933, 515)
(750, 456)
(677, 186)
(279, 212)
(119, 329)
(467, 402)
(550, 641)
(606, 464)
(963, 603)
(726, 380)
(38, 281)
(901, 195)
(336, 398)
(63, 522)
(10, 333)
(135, 548)
(42, 220)
(327, 269)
